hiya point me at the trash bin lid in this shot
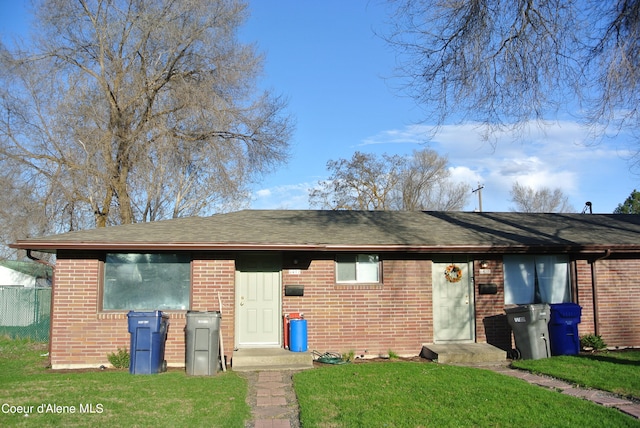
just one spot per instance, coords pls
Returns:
(145, 314)
(533, 307)
(202, 312)
(566, 310)
(517, 310)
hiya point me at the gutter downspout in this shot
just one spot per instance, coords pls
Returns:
(44, 262)
(594, 282)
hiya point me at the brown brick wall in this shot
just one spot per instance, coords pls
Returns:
(491, 321)
(584, 296)
(618, 297)
(78, 336)
(83, 336)
(211, 279)
(367, 319)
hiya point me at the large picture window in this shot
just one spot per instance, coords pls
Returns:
(146, 282)
(358, 268)
(536, 279)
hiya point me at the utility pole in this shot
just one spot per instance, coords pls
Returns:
(479, 190)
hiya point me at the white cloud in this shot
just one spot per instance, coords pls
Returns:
(560, 155)
(411, 134)
(263, 193)
(288, 196)
(463, 174)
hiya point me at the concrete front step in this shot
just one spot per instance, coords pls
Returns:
(254, 359)
(464, 353)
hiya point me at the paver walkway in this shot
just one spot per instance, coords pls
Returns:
(630, 407)
(274, 403)
(272, 400)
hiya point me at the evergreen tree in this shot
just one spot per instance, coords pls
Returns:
(631, 205)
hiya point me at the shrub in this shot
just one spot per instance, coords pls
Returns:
(593, 342)
(119, 359)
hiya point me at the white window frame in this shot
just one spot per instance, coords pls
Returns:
(361, 268)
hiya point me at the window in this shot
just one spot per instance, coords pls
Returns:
(146, 282)
(536, 279)
(361, 268)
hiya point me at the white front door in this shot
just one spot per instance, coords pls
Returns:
(258, 291)
(453, 306)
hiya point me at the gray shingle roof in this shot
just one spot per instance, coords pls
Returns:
(352, 230)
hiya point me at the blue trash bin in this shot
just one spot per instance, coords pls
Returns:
(298, 335)
(563, 328)
(148, 336)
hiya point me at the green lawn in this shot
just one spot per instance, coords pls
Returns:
(112, 397)
(617, 372)
(395, 394)
(409, 394)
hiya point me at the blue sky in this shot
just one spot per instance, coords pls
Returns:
(326, 59)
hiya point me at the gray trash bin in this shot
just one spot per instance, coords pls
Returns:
(202, 343)
(530, 330)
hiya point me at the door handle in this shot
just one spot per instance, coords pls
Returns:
(241, 300)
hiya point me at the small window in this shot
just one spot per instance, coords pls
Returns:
(357, 268)
(536, 279)
(146, 282)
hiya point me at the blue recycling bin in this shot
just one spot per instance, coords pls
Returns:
(148, 336)
(563, 328)
(298, 335)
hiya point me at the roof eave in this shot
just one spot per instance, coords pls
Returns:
(48, 246)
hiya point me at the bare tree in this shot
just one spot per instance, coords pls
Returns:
(140, 111)
(504, 63)
(22, 211)
(543, 200)
(368, 182)
(426, 184)
(363, 183)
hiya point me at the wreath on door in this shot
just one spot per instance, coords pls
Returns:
(453, 273)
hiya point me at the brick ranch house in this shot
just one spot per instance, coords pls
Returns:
(369, 282)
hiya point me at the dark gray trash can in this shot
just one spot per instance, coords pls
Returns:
(530, 330)
(202, 343)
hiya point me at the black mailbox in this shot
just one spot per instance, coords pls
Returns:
(294, 290)
(488, 289)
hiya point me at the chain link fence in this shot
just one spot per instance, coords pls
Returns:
(25, 312)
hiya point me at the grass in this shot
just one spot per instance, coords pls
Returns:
(414, 394)
(113, 397)
(617, 372)
(393, 393)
